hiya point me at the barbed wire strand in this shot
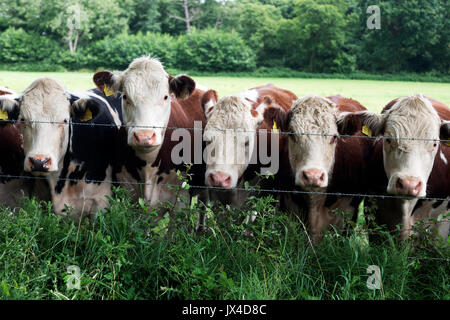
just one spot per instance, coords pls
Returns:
(226, 130)
(295, 191)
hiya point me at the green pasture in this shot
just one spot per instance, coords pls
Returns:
(372, 94)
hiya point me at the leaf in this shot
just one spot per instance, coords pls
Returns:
(5, 288)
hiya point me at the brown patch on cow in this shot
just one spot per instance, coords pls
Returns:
(254, 113)
(346, 104)
(2, 92)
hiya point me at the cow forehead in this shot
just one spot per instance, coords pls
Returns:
(231, 113)
(145, 77)
(412, 117)
(313, 114)
(44, 98)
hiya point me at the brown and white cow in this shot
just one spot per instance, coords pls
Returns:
(13, 188)
(154, 105)
(74, 158)
(323, 162)
(235, 143)
(409, 161)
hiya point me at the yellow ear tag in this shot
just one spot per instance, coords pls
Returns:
(366, 130)
(87, 116)
(275, 128)
(3, 115)
(108, 91)
(447, 143)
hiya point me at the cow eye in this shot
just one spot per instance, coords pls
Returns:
(65, 120)
(247, 142)
(124, 97)
(166, 97)
(388, 140)
(293, 137)
(334, 138)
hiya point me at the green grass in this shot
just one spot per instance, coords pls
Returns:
(372, 94)
(123, 256)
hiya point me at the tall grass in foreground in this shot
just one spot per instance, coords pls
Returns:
(126, 255)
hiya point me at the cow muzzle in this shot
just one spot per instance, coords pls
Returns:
(313, 178)
(39, 163)
(219, 179)
(409, 186)
(144, 138)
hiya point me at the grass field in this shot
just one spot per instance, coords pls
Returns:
(123, 255)
(372, 94)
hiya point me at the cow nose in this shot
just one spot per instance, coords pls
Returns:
(409, 186)
(219, 180)
(40, 163)
(313, 177)
(144, 138)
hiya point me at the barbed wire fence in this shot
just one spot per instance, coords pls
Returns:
(244, 189)
(234, 131)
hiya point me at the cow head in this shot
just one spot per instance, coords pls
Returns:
(230, 136)
(43, 111)
(147, 91)
(313, 134)
(411, 129)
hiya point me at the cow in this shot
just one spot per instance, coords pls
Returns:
(321, 161)
(68, 141)
(233, 141)
(409, 163)
(16, 186)
(154, 106)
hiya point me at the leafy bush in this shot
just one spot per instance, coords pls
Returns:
(121, 256)
(119, 51)
(17, 46)
(214, 50)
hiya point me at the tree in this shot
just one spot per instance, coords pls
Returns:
(314, 40)
(72, 22)
(88, 20)
(257, 24)
(189, 14)
(414, 36)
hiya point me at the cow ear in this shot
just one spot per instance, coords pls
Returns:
(444, 133)
(9, 107)
(209, 100)
(107, 82)
(182, 86)
(84, 109)
(367, 122)
(277, 117)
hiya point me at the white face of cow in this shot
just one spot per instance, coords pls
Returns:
(411, 132)
(312, 156)
(230, 139)
(147, 94)
(43, 113)
(408, 163)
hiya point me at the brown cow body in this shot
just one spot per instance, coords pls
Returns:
(12, 190)
(346, 174)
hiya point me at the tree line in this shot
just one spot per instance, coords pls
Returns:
(319, 36)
